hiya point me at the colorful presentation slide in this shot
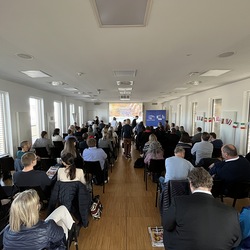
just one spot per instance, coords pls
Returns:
(153, 117)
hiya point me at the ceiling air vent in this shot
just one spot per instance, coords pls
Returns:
(124, 97)
(154, 103)
(126, 73)
(97, 103)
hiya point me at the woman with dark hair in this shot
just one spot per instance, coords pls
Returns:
(56, 135)
(70, 172)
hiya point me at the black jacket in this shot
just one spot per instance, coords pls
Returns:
(74, 196)
(45, 234)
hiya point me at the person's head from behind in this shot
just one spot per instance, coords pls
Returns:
(128, 121)
(70, 132)
(24, 210)
(199, 178)
(91, 142)
(229, 151)
(185, 137)
(205, 136)
(44, 134)
(70, 143)
(68, 161)
(29, 159)
(152, 138)
(212, 136)
(154, 148)
(104, 134)
(85, 136)
(199, 129)
(25, 146)
(56, 131)
(182, 128)
(179, 151)
(173, 130)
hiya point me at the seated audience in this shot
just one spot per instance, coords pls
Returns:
(178, 132)
(186, 143)
(56, 135)
(112, 136)
(144, 137)
(199, 221)
(94, 154)
(70, 135)
(170, 142)
(217, 143)
(203, 149)
(177, 168)
(151, 138)
(154, 152)
(70, 147)
(29, 177)
(233, 168)
(101, 125)
(197, 136)
(105, 141)
(78, 133)
(43, 142)
(70, 172)
(83, 143)
(27, 231)
(25, 147)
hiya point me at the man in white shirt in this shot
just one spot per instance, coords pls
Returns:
(114, 124)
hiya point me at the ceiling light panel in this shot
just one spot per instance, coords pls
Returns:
(124, 73)
(124, 83)
(71, 89)
(121, 13)
(125, 89)
(215, 72)
(35, 73)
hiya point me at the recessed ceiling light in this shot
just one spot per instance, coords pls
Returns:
(57, 83)
(215, 72)
(71, 89)
(125, 92)
(86, 96)
(124, 73)
(226, 54)
(25, 56)
(125, 83)
(125, 89)
(35, 73)
(195, 83)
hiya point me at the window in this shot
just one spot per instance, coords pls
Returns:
(36, 117)
(58, 115)
(179, 122)
(72, 113)
(216, 116)
(5, 124)
(80, 111)
(194, 111)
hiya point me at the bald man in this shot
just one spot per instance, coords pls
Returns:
(233, 168)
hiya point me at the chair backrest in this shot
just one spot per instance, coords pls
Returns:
(94, 168)
(157, 166)
(107, 151)
(216, 152)
(58, 144)
(238, 190)
(39, 190)
(217, 189)
(42, 152)
(6, 165)
(206, 162)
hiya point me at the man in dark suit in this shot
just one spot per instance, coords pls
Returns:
(198, 221)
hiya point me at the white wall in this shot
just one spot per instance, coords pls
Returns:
(19, 102)
(234, 98)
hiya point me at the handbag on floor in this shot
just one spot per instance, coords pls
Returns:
(96, 208)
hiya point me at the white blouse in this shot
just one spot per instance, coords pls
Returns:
(62, 175)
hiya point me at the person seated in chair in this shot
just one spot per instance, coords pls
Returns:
(70, 172)
(199, 221)
(233, 168)
(25, 147)
(43, 142)
(29, 177)
(27, 231)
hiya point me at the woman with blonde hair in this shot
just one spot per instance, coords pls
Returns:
(27, 231)
(70, 147)
(154, 152)
(152, 138)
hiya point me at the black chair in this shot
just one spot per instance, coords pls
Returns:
(206, 162)
(59, 144)
(216, 153)
(72, 237)
(6, 165)
(155, 167)
(172, 189)
(42, 152)
(238, 190)
(217, 189)
(108, 152)
(94, 174)
(55, 152)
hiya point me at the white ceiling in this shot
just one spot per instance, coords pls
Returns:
(65, 38)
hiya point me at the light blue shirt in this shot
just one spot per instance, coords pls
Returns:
(177, 168)
(203, 149)
(94, 154)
